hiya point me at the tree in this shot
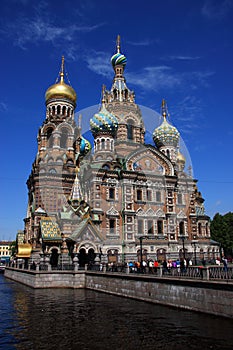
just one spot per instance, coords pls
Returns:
(221, 228)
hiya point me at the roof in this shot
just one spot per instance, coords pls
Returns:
(50, 230)
(24, 250)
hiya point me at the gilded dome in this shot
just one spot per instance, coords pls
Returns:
(103, 121)
(61, 89)
(180, 158)
(166, 134)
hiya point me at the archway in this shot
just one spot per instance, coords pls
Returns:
(54, 257)
(86, 257)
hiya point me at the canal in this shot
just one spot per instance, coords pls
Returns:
(83, 319)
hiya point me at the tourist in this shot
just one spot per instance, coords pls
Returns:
(225, 267)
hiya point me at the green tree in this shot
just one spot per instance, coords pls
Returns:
(221, 228)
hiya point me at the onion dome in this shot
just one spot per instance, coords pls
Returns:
(85, 146)
(61, 89)
(181, 158)
(166, 134)
(118, 58)
(103, 122)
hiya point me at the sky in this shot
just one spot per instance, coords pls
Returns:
(178, 50)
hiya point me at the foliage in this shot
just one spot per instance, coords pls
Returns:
(13, 248)
(221, 228)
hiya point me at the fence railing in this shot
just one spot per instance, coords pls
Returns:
(211, 272)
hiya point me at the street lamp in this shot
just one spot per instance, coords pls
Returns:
(183, 238)
(140, 240)
(195, 251)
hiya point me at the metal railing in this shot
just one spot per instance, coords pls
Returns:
(211, 272)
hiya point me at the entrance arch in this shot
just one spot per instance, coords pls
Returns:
(86, 256)
(54, 257)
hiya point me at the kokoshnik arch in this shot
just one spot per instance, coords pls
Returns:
(99, 202)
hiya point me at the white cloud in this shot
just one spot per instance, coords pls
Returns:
(213, 9)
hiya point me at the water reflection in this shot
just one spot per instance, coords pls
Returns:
(73, 319)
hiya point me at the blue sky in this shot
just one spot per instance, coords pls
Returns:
(176, 49)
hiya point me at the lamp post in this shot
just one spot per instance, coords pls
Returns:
(195, 252)
(183, 238)
(140, 240)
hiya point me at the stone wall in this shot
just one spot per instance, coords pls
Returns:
(45, 279)
(212, 297)
(203, 296)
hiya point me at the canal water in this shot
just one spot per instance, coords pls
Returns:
(82, 319)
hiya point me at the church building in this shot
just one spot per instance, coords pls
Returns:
(116, 199)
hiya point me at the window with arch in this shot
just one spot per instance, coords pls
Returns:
(130, 124)
(49, 136)
(64, 138)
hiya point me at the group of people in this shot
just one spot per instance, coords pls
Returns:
(152, 266)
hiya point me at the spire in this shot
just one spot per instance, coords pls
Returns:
(164, 108)
(76, 193)
(118, 43)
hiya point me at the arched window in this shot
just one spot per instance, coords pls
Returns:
(199, 229)
(130, 124)
(49, 135)
(64, 137)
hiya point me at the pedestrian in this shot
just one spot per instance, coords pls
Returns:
(225, 267)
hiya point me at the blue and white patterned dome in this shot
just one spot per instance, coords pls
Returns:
(166, 135)
(85, 146)
(103, 122)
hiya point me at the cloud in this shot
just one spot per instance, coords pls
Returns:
(3, 107)
(145, 42)
(215, 9)
(99, 63)
(181, 58)
(41, 29)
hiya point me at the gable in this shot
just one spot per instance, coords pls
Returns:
(149, 160)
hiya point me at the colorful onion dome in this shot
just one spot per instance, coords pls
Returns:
(181, 158)
(61, 89)
(85, 146)
(103, 122)
(166, 134)
(118, 58)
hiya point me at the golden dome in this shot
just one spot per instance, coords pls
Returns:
(61, 89)
(180, 158)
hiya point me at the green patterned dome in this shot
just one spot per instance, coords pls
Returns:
(103, 122)
(118, 59)
(166, 135)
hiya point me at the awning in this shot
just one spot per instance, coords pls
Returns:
(24, 250)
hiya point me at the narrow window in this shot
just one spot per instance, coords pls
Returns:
(149, 195)
(64, 137)
(181, 228)
(139, 195)
(112, 225)
(160, 226)
(111, 193)
(150, 227)
(140, 226)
